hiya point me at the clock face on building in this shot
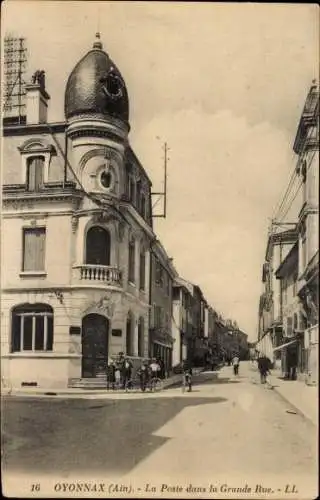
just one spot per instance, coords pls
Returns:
(112, 85)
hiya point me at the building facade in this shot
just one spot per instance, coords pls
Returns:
(77, 222)
(306, 147)
(181, 322)
(293, 355)
(162, 279)
(270, 308)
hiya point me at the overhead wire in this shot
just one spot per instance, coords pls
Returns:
(282, 209)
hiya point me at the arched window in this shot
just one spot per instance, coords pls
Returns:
(98, 243)
(142, 269)
(35, 173)
(129, 335)
(131, 263)
(141, 337)
(32, 328)
(143, 206)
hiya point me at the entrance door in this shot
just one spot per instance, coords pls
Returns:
(95, 333)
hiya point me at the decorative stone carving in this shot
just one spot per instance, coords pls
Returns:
(103, 306)
(74, 224)
(121, 230)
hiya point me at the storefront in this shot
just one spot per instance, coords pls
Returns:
(161, 347)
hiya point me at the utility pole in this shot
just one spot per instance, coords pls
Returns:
(163, 194)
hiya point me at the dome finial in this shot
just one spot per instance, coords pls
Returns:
(97, 44)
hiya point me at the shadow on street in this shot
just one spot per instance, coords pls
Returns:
(61, 436)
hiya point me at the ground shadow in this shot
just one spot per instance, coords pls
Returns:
(63, 436)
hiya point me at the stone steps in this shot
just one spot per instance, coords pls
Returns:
(88, 383)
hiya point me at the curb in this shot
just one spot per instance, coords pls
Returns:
(293, 406)
(98, 393)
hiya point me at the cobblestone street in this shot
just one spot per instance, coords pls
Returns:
(226, 424)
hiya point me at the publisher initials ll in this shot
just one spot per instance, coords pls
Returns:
(291, 489)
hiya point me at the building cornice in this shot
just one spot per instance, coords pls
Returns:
(36, 129)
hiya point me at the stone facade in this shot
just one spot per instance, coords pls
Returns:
(76, 254)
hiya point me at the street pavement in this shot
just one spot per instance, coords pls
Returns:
(228, 431)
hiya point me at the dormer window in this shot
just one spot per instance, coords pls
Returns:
(36, 156)
(35, 173)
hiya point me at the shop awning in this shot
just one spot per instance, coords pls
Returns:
(285, 345)
(162, 337)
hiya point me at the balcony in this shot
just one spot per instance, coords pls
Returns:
(97, 275)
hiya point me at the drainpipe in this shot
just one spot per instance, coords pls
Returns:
(150, 294)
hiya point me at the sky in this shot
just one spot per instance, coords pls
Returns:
(224, 85)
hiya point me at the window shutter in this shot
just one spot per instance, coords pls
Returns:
(34, 249)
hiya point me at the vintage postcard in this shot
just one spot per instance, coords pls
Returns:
(159, 250)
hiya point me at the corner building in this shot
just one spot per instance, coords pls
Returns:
(77, 228)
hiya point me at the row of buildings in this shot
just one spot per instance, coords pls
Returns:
(289, 304)
(84, 275)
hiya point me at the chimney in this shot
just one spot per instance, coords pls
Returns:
(37, 99)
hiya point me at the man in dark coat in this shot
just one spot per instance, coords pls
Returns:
(126, 373)
(264, 365)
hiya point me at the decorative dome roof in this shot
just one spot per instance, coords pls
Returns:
(95, 86)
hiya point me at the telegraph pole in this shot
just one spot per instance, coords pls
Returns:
(163, 194)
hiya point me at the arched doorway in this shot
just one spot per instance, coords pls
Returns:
(95, 336)
(98, 246)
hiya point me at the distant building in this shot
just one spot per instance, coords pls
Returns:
(162, 279)
(270, 312)
(181, 322)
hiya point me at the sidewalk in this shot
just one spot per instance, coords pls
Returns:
(300, 396)
(83, 393)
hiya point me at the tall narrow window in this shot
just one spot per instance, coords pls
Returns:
(34, 249)
(132, 194)
(138, 196)
(32, 328)
(98, 246)
(129, 335)
(35, 173)
(141, 337)
(132, 261)
(142, 269)
(143, 206)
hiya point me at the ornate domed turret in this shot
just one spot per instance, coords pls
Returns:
(96, 87)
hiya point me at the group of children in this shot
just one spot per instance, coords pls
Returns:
(119, 373)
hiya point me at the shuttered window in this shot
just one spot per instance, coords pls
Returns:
(34, 249)
(142, 270)
(35, 170)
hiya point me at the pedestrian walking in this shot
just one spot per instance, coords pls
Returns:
(235, 364)
(187, 378)
(264, 368)
(143, 374)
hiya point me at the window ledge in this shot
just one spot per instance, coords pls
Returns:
(33, 274)
(40, 354)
